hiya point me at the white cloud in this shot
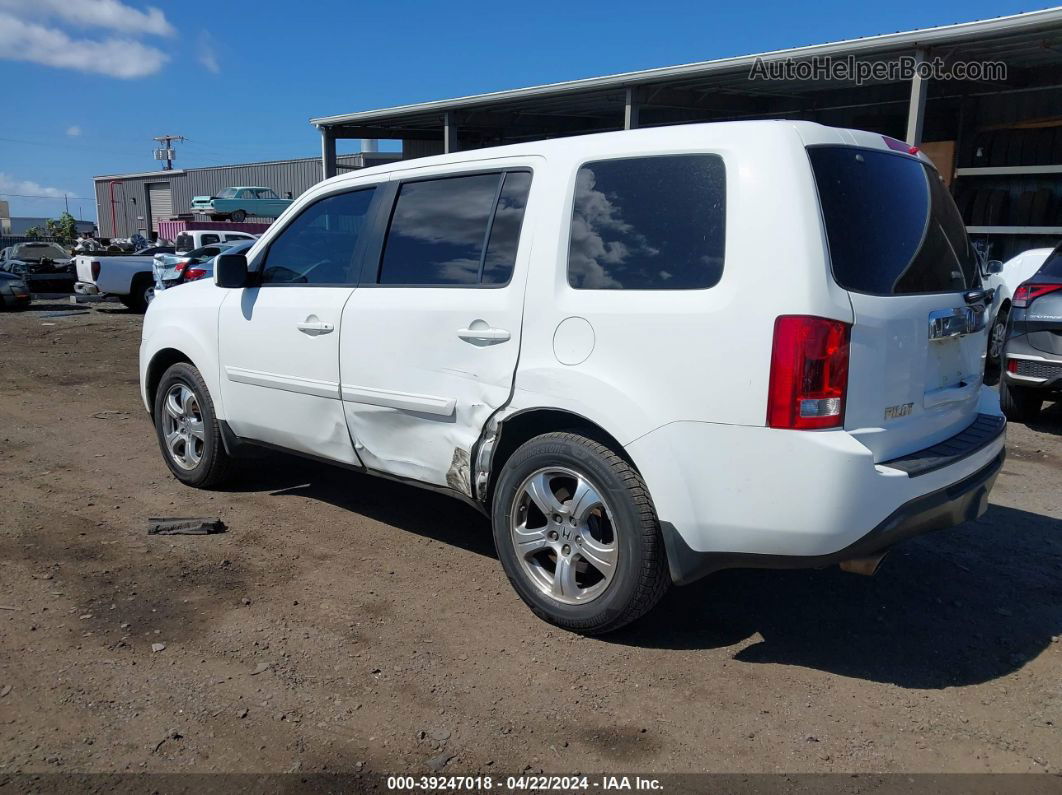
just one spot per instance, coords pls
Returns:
(115, 57)
(109, 14)
(25, 188)
(208, 53)
(73, 131)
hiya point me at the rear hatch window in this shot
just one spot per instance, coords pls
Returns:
(183, 243)
(892, 226)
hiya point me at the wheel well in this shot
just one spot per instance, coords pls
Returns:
(1005, 306)
(160, 363)
(526, 425)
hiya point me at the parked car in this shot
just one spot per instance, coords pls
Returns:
(197, 238)
(239, 204)
(127, 276)
(196, 265)
(646, 355)
(1004, 278)
(14, 292)
(169, 269)
(1033, 353)
(44, 267)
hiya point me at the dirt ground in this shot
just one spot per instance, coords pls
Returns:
(345, 623)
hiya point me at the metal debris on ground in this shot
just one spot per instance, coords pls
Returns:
(187, 526)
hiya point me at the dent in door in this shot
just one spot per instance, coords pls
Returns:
(431, 448)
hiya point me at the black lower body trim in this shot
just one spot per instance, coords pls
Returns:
(946, 507)
(979, 434)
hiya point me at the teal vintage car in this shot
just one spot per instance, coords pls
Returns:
(238, 204)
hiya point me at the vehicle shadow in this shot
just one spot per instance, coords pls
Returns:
(400, 505)
(1050, 419)
(958, 607)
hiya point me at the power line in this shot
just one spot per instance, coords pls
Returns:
(42, 196)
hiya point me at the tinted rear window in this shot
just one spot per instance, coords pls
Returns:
(1052, 265)
(648, 223)
(891, 224)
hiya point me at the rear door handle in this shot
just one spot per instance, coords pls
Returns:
(314, 327)
(487, 334)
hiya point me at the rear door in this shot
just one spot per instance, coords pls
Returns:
(898, 245)
(431, 337)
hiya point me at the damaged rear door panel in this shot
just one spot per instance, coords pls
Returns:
(430, 340)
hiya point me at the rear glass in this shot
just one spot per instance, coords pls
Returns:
(1052, 265)
(891, 225)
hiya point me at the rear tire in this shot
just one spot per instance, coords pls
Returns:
(187, 428)
(239, 216)
(593, 560)
(141, 292)
(1020, 404)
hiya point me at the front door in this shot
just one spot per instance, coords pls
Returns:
(279, 340)
(430, 340)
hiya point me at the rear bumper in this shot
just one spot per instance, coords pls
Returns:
(86, 288)
(938, 510)
(1036, 369)
(756, 496)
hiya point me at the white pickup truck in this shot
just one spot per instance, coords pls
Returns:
(128, 277)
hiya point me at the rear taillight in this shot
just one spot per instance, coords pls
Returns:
(1012, 365)
(95, 269)
(1029, 292)
(809, 373)
(192, 274)
(180, 266)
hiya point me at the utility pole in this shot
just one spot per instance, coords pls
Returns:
(166, 152)
(66, 204)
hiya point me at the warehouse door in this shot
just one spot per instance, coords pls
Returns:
(160, 203)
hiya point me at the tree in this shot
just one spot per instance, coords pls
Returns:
(63, 229)
(35, 233)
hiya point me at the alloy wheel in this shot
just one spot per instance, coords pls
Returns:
(564, 535)
(182, 426)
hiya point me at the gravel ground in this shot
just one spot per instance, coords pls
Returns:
(345, 623)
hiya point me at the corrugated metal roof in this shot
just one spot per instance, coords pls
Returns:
(1014, 36)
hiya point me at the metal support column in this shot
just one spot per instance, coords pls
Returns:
(328, 152)
(449, 132)
(916, 110)
(631, 108)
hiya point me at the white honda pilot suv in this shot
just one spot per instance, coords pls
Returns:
(646, 355)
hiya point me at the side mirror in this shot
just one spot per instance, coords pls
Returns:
(230, 270)
(994, 266)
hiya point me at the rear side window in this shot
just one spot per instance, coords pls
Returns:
(183, 243)
(648, 223)
(455, 230)
(318, 246)
(891, 225)
(206, 240)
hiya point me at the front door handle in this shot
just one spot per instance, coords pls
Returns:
(483, 334)
(314, 327)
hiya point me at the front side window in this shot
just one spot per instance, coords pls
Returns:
(456, 230)
(648, 223)
(318, 246)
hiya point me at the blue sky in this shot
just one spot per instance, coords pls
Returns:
(88, 83)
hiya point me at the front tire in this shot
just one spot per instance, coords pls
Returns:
(1020, 404)
(997, 336)
(187, 428)
(577, 534)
